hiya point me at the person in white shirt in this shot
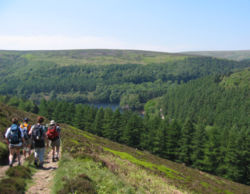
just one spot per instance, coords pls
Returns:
(15, 138)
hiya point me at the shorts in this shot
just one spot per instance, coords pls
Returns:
(19, 145)
(55, 143)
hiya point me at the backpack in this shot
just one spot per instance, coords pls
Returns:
(52, 133)
(15, 134)
(26, 129)
(38, 136)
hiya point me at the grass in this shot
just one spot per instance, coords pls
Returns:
(168, 172)
(102, 180)
(137, 176)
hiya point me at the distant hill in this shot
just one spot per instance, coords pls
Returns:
(231, 55)
(90, 163)
(110, 76)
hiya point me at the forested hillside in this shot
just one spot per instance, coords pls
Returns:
(91, 164)
(128, 77)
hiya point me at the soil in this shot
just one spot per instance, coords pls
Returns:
(43, 178)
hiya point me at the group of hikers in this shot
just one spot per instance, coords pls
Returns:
(37, 136)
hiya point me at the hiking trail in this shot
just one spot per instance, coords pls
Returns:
(43, 178)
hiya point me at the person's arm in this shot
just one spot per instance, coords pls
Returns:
(30, 132)
(58, 130)
(22, 136)
(7, 134)
(45, 136)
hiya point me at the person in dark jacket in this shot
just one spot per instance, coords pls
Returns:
(38, 133)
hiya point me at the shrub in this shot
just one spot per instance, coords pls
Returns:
(12, 185)
(3, 153)
(80, 184)
(19, 171)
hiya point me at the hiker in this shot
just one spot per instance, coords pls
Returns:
(38, 133)
(14, 136)
(53, 135)
(25, 126)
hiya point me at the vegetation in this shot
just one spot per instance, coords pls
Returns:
(100, 166)
(231, 55)
(16, 180)
(213, 146)
(134, 171)
(130, 78)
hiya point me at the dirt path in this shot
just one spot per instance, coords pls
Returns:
(43, 179)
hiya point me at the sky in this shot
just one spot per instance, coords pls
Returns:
(157, 25)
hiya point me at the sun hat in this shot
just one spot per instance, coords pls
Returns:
(52, 122)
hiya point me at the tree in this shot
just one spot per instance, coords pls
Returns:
(173, 140)
(131, 135)
(212, 158)
(199, 141)
(186, 148)
(98, 123)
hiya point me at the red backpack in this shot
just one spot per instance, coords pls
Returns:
(52, 133)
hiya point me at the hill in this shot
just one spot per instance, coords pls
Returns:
(231, 55)
(111, 76)
(221, 100)
(93, 164)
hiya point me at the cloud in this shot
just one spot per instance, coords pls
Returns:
(42, 42)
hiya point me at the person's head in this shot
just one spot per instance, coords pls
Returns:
(40, 119)
(14, 120)
(26, 120)
(52, 122)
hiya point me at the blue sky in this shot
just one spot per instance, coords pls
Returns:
(160, 25)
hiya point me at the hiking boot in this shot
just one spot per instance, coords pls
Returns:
(19, 163)
(11, 165)
(57, 158)
(53, 160)
(40, 166)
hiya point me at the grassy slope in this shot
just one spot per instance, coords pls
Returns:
(94, 57)
(96, 164)
(139, 171)
(231, 55)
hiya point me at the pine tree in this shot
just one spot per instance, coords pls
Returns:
(199, 141)
(212, 156)
(107, 131)
(173, 141)
(78, 120)
(186, 148)
(132, 131)
(43, 108)
(98, 123)
(116, 126)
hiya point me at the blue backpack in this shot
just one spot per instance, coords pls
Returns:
(15, 134)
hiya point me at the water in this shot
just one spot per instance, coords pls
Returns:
(106, 105)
